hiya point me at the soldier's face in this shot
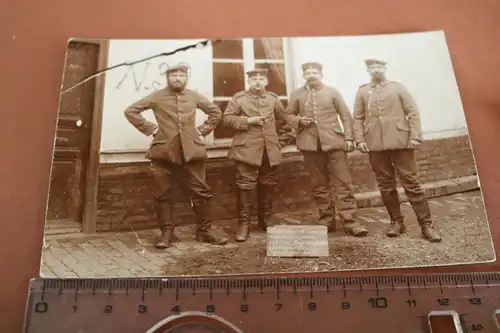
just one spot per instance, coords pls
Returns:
(257, 82)
(377, 71)
(177, 80)
(312, 75)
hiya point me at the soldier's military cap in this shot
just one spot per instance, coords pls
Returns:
(180, 67)
(370, 62)
(257, 72)
(311, 65)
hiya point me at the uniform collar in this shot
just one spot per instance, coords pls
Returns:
(255, 94)
(381, 83)
(171, 92)
(318, 86)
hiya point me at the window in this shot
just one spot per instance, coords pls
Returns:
(232, 59)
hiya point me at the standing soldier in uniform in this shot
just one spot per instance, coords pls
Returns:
(324, 144)
(387, 127)
(255, 148)
(177, 151)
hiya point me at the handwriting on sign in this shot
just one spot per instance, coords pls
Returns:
(297, 241)
(148, 78)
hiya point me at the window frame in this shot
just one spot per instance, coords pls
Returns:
(249, 61)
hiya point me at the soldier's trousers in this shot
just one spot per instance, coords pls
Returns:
(190, 176)
(330, 177)
(249, 178)
(385, 165)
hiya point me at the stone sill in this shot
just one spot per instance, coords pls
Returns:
(220, 150)
(431, 189)
(290, 153)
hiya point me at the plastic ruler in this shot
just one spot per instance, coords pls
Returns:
(437, 303)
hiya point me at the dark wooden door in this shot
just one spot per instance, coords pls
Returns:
(72, 142)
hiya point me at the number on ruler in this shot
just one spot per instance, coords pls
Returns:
(210, 308)
(75, 308)
(176, 309)
(476, 327)
(411, 303)
(311, 306)
(244, 308)
(108, 308)
(41, 307)
(443, 301)
(379, 302)
(346, 305)
(475, 301)
(278, 306)
(142, 309)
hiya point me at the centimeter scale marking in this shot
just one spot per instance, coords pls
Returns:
(461, 302)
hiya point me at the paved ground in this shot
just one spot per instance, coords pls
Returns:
(461, 217)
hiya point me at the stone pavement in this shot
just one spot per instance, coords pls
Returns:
(132, 253)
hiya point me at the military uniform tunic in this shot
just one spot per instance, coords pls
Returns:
(386, 117)
(176, 152)
(323, 147)
(177, 140)
(256, 149)
(324, 105)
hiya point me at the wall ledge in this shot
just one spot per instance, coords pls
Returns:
(220, 152)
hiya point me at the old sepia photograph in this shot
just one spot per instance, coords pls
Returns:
(202, 157)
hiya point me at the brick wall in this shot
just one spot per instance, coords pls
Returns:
(124, 199)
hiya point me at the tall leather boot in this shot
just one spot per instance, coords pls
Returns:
(422, 211)
(165, 217)
(265, 196)
(396, 228)
(204, 233)
(354, 228)
(347, 208)
(244, 211)
(326, 214)
(390, 197)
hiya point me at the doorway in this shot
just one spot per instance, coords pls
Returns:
(73, 178)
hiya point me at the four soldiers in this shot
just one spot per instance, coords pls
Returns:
(324, 144)
(385, 125)
(387, 128)
(177, 151)
(255, 148)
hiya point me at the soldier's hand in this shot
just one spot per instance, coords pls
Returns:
(363, 147)
(259, 120)
(305, 121)
(413, 144)
(349, 146)
(202, 138)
